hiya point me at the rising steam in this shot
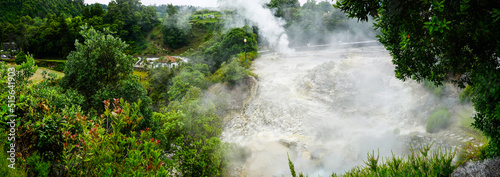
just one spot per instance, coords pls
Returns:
(270, 27)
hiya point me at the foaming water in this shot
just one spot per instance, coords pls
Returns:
(327, 109)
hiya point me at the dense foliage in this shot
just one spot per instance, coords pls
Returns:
(48, 29)
(13, 9)
(283, 8)
(175, 29)
(220, 48)
(444, 40)
(100, 69)
(69, 129)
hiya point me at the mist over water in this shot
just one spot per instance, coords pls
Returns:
(327, 109)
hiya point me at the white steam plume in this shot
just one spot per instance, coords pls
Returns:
(270, 27)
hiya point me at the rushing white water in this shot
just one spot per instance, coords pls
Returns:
(326, 109)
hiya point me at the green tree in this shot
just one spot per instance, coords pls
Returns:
(171, 10)
(174, 37)
(185, 80)
(232, 44)
(283, 8)
(443, 40)
(97, 63)
(160, 82)
(233, 72)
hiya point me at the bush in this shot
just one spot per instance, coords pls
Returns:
(231, 72)
(185, 80)
(419, 163)
(466, 94)
(60, 66)
(131, 90)
(20, 58)
(38, 166)
(438, 120)
(108, 145)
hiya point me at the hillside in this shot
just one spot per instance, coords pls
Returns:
(11, 10)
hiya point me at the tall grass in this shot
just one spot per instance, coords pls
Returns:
(421, 162)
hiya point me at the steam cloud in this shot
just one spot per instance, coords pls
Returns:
(270, 27)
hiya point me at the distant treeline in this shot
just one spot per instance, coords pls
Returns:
(48, 29)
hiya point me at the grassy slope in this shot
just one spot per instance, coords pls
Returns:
(156, 47)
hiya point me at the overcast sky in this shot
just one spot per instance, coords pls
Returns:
(201, 3)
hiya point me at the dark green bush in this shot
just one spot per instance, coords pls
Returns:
(20, 58)
(438, 120)
(60, 66)
(42, 64)
(37, 165)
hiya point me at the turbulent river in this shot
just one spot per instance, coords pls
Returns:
(326, 109)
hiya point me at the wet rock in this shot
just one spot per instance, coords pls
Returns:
(288, 143)
(489, 167)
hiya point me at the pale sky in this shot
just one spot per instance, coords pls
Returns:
(201, 3)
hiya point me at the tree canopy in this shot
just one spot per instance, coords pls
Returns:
(440, 41)
(97, 62)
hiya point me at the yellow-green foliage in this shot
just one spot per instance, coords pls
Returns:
(466, 94)
(250, 57)
(234, 70)
(438, 120)
(142, 77)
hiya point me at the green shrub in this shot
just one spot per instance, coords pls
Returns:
(466, 94)
(20, 58)
(231, 72)
(250, 57)
(185, 80)
(438, 120)
(108, 145)
(60, 66)
(418, 163)
(37, 165)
